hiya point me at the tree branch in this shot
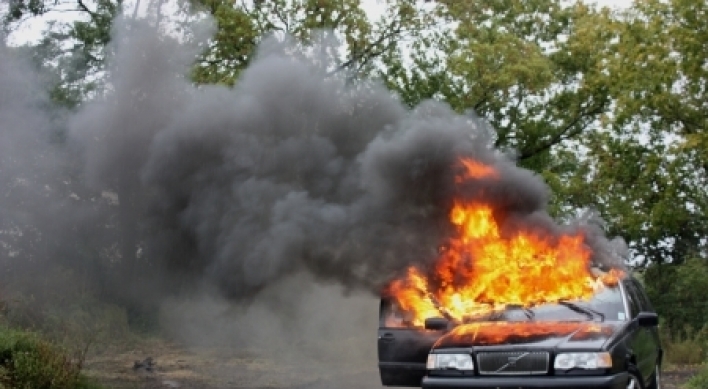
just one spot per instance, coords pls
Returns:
(503, 137)
(279, 14)
(370, 51)
(564, 133)
(94, 16)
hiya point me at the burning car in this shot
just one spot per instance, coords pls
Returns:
(608, 341)
(511, 303)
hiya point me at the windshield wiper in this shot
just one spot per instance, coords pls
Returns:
(589, 312)
(528, 312)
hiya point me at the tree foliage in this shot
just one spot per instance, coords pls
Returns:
(676, 292)
(73, 53)
(529, 67)
(241, 26)
(645, 165)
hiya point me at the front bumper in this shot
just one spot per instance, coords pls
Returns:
(617, 381)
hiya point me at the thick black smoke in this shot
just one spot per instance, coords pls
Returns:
(293, 170)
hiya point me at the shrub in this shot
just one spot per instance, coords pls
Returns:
(76, 323)
(29, 362)
(686, 349)
(677, 290)
(700, 380)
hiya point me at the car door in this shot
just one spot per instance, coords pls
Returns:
(653, 331)
(642, 340)
(403, 349)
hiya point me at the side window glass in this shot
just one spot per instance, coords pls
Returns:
(646, 304)
(632, 300)
(390, 316)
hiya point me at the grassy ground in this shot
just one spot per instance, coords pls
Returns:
(212, 368)
(675, 377)
(30, 360)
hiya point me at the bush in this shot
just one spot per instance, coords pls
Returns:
(29, 362)
(687, 348)
(75, 324)
(683, 353)
(677, 292)
(698, 381)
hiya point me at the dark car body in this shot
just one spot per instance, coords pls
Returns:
(519, 349)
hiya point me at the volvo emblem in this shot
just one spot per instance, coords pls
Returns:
(511, 361)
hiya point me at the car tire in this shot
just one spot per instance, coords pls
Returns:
(634, 381)
(656, 380)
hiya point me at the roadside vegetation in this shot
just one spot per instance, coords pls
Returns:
(28, 361)
(674, 291)
(699, 381)
(626, 87)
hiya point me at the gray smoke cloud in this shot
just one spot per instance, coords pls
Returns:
(289, 171)
(292, 171)
(32, 195)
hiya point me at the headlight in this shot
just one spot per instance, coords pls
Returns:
(449, 361)
(568, 361)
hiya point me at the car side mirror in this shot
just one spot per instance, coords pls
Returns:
(648, 319)
(436, 323)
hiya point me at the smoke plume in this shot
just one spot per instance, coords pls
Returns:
(169, 187)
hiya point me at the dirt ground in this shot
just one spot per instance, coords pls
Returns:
(676, 376)
(214, 368)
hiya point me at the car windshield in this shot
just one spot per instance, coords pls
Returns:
(605, 305)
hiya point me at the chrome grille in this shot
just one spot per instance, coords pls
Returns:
(512, 363)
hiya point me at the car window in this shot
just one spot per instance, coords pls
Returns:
(609, 302)
(389, 316)
(643, 298)
(632, 299)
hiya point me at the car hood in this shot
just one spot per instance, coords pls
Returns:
(535, 334)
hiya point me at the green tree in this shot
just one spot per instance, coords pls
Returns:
(529, 67)
(677, 292)
(648, 194)
(242, 26)
(646, 167)
(660, 69)
(72, 54)
(75, 52)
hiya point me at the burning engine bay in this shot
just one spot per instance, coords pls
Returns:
(496, 260)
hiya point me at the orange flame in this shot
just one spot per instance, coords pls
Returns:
(475, 170)
(498, 332)
(483, 269)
